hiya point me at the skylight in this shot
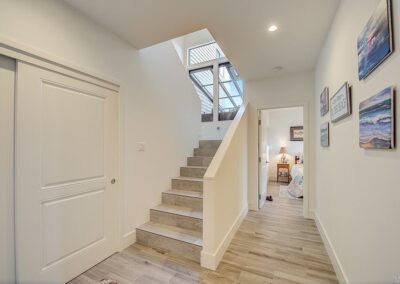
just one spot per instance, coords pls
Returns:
(204, 53)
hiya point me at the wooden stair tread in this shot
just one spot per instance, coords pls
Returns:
(187, 193)
(179, 210)
(172, 232)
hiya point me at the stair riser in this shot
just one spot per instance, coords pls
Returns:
(187, 185)
(185, 201)
(199, 161)
(179, 221)
(204, 152)
(169, 246)
(209, 143)
(193, 172)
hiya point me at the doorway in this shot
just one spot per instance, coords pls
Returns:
(281, 145)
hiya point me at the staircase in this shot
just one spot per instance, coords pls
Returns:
(176, 225)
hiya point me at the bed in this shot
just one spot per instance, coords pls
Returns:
(295, 188)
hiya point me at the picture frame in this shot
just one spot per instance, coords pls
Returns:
(375, 42)
(324, 102)
(377, 121)
(324, 134)
(296, 133)
(340, 103)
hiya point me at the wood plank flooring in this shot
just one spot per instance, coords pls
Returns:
(275, 245)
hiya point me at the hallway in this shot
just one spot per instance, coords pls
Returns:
(274, 245)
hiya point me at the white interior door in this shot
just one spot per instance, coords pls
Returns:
(66, 156)
(263, 165)
(7, 82)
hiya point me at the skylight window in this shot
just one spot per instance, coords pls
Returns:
(204, 53)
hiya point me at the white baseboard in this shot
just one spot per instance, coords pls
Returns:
(128, 239)
(340, 274)
(211, 260)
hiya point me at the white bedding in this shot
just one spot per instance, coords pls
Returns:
(295, 188)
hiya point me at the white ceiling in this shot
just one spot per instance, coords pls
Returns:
(239, 27)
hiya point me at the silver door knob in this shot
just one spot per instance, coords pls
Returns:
(113, 181)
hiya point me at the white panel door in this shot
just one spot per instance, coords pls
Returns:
(66, 157)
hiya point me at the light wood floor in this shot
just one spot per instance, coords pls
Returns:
(274, 245)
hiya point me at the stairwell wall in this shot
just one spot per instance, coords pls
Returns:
(225, 192)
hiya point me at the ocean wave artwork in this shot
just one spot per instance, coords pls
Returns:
(376, 121)
(374, 44)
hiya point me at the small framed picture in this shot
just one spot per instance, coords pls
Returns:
(341, 103)
(324, 102)
(324, 134)
(296, 133)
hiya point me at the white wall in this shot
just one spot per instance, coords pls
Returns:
(295, 89)
(190, 40)
(158, 106)
(7, 82)
(225, 192)
(358, 190)
(279, 122)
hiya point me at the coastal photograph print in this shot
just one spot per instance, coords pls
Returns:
(341, 103)
(376, 121)
(324, 102)
(324, 134)
(375, 43)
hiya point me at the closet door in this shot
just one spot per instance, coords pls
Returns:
(66, 160)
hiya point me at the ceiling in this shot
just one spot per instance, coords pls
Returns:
(239, 26)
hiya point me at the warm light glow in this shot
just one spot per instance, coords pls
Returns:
(272, 28)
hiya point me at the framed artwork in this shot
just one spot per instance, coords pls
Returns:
(375, 43)
(341, 103)
(324, 134)
(296, 133)
(377, 121)
(324, 102)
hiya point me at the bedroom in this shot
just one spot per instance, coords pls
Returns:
(281, 152)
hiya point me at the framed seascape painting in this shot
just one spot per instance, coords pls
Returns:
(376, 121)
(296, 133)
(324, 102)
(341, 103)
(375, 42)
(324, 134)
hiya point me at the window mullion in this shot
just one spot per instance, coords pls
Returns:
(216, 91)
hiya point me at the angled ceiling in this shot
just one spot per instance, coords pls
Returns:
(239, 27)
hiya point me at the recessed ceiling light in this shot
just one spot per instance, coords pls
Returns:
(272, 28)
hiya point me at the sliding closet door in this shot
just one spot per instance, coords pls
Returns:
(7, 82)
(66, 162)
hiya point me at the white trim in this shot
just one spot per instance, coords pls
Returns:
(340, 274)
(211, 260)
(29, 54)
(128, 239)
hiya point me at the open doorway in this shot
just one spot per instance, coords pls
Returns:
(281, 156)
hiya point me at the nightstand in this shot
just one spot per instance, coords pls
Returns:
(282, 173)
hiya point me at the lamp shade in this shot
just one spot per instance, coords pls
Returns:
(283, 150)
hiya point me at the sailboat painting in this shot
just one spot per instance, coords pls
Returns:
(375, 42)
(376, 121)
